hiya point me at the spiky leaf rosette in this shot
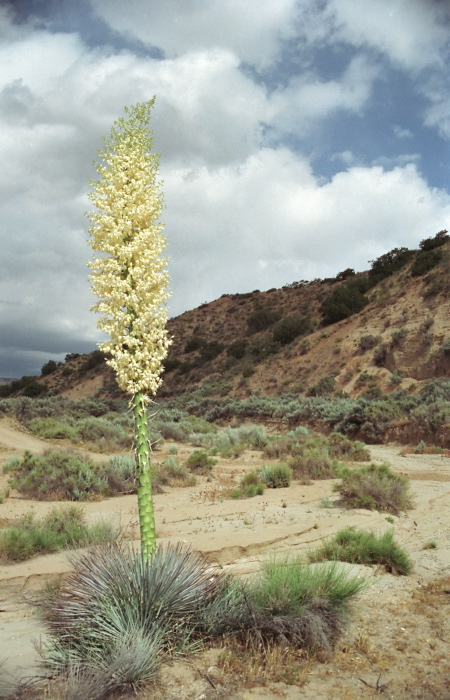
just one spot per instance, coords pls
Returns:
(130, 275)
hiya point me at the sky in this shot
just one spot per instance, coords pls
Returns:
(297, 138)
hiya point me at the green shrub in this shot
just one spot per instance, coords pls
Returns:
(173, 474)
(52, 429)
(248, 491)
(238, 349)
(61, 528)
(358, 547)
(194, 343)
(445, 347)
(390, 262)
(290, 328)
(49, 367)
(261, 319)
(94, 359)
(367, 342)
(434, 241)
(374, 487)
(326, 385)
(342, 303)
(276, 476)
(200, 462)
(425, 260)
(379, 356)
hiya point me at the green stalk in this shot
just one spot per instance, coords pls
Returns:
(144, 481)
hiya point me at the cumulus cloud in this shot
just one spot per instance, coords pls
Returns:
(411, 33)
(253, 31)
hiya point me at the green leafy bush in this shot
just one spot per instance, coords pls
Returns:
(390, 262)
(342, 303)
(358, 547)
(290, 328)
(200, 462)
(435, 241)
(261, 319)
(276, 476)
(425, 260)
(49, 367)
(374, 487)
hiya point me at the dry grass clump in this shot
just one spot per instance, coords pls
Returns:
(374, 487)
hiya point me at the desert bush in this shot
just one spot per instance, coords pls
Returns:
(367, 342)
(390, 262)
(313, 463)
(359, 547)
(434, 241)
(62, 528)
(172, 473)
(53, 429)
(379, 356)
(326, 385)
(194, 343)
(445, 347)
(200, 462)
(342, 303)
(290, 328)
(261, 319)
(250, 486)
(425, 260)
(94, 359)
(67, 475)
(374, 487)
(49, 367)
(342, 448)
(238, 349)
(276, 476)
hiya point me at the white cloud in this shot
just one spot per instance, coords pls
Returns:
(252, 30)
(306, 99)
(411, 33)
(402, 133)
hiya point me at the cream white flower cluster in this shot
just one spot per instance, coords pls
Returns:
(130, 274)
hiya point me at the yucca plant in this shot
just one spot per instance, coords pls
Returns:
(116, 599)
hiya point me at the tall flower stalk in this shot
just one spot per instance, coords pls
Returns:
(130, 277)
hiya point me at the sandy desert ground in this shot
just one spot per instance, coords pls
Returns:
(398, 640)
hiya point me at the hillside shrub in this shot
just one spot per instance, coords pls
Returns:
(276, 476)
(290, 328)
(374, 487)
(367, 342)
(342, 303)
(250, 486)
(379, 356)
(237, 349)
(95, 359)
(390, 262)
(49, 367)
(425, 260)
(325, 386)
(359, 547)
(261, 319)
(194, 343)
(435, 241)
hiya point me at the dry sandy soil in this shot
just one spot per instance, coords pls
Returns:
(398, 640)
